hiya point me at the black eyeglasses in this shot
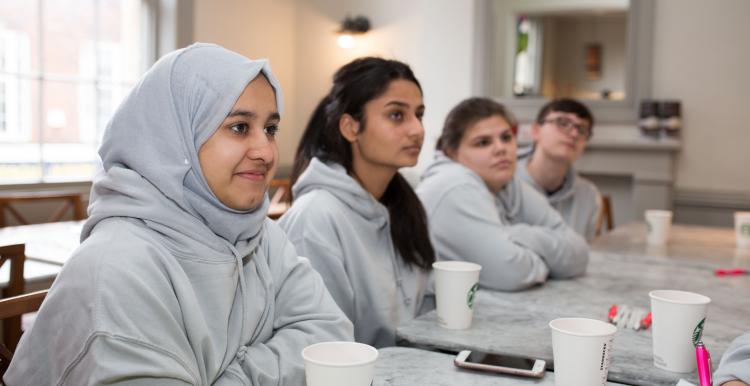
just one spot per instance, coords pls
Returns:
(566, 125)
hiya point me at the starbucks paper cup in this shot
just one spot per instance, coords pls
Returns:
(742, 229)
(339, 364)
(456, 283)
(675, 315)
(658, 224)
(581, 349)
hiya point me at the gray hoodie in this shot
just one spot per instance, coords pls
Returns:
(735, 364)
(578, 201)
(515, 236)
(346, 235)
(169, 286)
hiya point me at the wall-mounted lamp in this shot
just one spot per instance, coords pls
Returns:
(350, 27)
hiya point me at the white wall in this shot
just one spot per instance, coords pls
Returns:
(702, 57)
(433, 36)
(699, 57)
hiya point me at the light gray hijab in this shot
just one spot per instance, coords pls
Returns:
(150, 148)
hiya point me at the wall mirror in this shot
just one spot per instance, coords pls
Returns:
(599, 51)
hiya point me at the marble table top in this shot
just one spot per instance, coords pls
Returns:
(516, 323)
(699, 245)
(402, 366)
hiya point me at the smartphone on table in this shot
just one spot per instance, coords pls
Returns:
(506, 364)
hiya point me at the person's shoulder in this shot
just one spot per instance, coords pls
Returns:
(527, 188)
(454, 187)
(447, 179)
(317, 201)
(117, 247)
(317, 207)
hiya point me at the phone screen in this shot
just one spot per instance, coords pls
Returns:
(501, 360)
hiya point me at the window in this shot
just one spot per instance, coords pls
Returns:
(64, 68)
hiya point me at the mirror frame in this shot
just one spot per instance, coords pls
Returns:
(637, 77)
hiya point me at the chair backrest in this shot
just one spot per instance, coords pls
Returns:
(71, 200)
(281, 197)
(14, 307)
(605, 216)
(15, 255)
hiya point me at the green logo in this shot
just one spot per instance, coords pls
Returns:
(745, 229)
(470, 295)
(698, 332)
(648, 227)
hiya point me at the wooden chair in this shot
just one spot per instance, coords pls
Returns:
(70, 200)
(11, 308)
(605, 215)
(15, 254)
(281, 199)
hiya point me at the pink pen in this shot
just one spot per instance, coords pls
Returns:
(704, 365)
(731, 272)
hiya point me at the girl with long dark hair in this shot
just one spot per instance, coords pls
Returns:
(354, 216)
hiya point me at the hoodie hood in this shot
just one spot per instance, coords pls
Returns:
(333, 178)
(150, 148)
(453, 174)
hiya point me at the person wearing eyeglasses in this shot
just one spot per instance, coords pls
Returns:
(562, 129)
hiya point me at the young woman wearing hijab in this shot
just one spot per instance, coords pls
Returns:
(479, 212)
(354, 216)
(180, 278)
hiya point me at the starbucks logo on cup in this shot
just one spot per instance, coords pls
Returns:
(470, 295)
(745, 229)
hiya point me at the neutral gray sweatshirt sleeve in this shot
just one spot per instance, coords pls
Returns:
(304, 314)
(115, 360)
(541, 229)
(465, 226)
(735, 364)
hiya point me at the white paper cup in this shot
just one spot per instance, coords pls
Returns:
(742, 229)
(456, 283)
(339, 364)
(580, 348)
(658, 224)
(675, 314)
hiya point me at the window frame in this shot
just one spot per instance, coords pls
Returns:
(165, 26)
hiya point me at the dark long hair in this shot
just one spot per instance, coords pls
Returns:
(355, 84)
